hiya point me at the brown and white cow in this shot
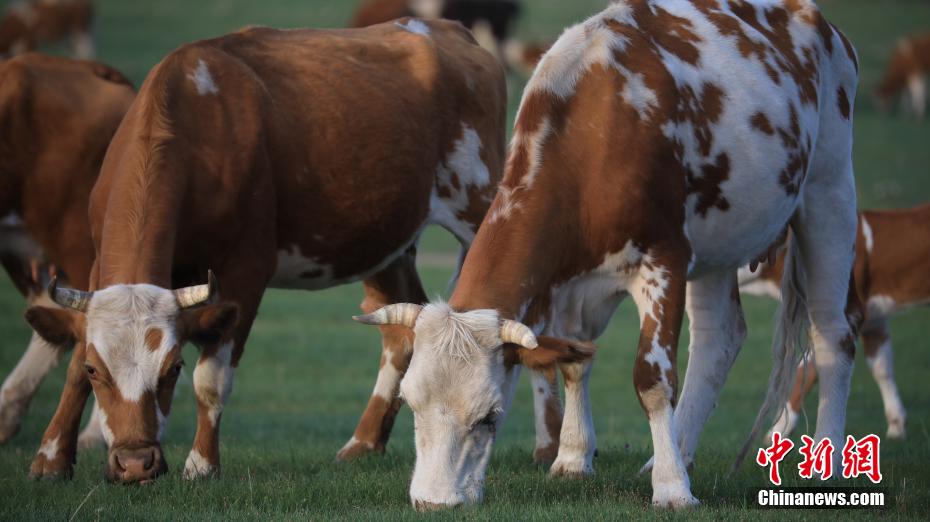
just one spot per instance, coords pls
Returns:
(659, 146)
(892, 262)
(289, 159)
(58, 117)
(25, 24)
(907, 70)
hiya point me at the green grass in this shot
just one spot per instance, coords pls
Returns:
(308, 370)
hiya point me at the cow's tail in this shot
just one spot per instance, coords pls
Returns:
(790, 344)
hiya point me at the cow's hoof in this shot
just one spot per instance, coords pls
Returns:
(197, 467)
(896, 429)
(546, 455)
(571, 469)
(56, 469)
(671, 497)
(355, 449)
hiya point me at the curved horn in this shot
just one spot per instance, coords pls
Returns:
(69, 297)
(518, 333)
(199, 294)
(400, 313)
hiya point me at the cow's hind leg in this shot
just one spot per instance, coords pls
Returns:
(21, 385)
(877, 343)
(787, 418)
(659, 292)
(398, 283)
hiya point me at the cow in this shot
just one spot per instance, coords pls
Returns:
(25, 24)
(491, 21)
(298, 159)
(58, 118)
(892, 255)
(659, 146)
(907, 70)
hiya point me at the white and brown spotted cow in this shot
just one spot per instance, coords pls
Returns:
(26, 24)
(892, 263)
(907, 71)
(659, 146)
(58, 116)
(290, 159)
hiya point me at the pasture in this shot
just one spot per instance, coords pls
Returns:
(308, 369)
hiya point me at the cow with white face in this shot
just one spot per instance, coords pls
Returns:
(298, 159)
(659, 146)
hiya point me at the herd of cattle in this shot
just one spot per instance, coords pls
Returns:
(659, 147)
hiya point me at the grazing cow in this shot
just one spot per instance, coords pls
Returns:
(908, 69)
(296, 159)
(25, 24)
(658, 143)
(892, 261)
(491, 21)
(58, 117)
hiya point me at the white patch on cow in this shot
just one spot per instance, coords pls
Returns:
(867, 234)
(785, 423)
(880, 305)
(465, 163)
(637, 95)
(542, 394)
(882, 366)
(50, 448)
(388, 377)
(197, 466)
(533, 143)
(118, 318)
(213, 380)
(105, 429)
(414, 26)
(203, 79)
(429, 9)
(577, 441)
(670, 484)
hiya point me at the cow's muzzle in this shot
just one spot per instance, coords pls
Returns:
(135, 464)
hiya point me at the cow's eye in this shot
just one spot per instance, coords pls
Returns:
(91, 371)
(176, 370)
(489, 421)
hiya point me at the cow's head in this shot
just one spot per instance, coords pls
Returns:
(132, 337)
(458, 385)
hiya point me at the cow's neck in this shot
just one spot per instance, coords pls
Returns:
(139, 231)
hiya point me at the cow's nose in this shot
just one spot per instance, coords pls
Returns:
(137, 464)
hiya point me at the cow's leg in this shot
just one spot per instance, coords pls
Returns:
(92, 435)
(20, 386)
(55, 458)
(804, 380)
(917, 88)
(659, 292)
(876, 339)
(398, 283)
(717, 333)
(547, 407)
(83, 44)
(577, 440)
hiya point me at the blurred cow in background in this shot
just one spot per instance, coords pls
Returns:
(908, 70)
(25, 24)
(891, 275)
(57, 117)
(300, 159)
(491, 22)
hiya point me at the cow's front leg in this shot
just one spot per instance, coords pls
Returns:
(56, 455)
(547, 407)
(20, 386)
(659, 291)
(213, 380)
(577, 440)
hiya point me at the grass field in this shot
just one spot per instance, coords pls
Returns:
(308, 370)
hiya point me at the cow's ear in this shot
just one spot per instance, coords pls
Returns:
(552, 351)
(209, 324)
(55, 325)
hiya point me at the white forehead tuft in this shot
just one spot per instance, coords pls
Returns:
(118, 318)
(459, 334)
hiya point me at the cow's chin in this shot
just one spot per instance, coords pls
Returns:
(451, 473)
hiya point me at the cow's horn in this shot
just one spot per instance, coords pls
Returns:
(400, 313)
(199, 294)
(69, 297)
(518, 333)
